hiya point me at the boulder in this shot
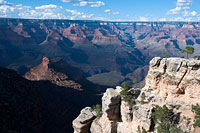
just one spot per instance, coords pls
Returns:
(83, 122)
(111, 104)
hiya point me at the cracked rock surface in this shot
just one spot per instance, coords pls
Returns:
(173, 77)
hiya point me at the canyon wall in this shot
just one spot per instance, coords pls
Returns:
(123, 47)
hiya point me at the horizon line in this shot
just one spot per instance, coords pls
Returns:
(115, 21)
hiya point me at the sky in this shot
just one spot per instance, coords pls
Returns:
(106, 10)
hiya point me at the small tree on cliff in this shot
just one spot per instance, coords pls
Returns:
(127, 94)
(143, 96)
(98, 110)
(188, 50)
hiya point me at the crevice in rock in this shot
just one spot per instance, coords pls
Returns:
(152, 126)
(114, 127)
(179, 67)
(120, 115)
(195, 67)
(165, 67)
(158, 63)
(182, 91)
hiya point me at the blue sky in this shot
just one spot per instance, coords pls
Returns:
(112, 10)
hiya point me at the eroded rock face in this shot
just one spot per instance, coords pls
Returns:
(111, 104)
(143, 116)
(83, 122)
(44, 72)
(173, 77)
(170, 81)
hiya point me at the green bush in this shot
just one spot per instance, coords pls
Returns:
(127, 94)
(136, 107)
(143, 96)
(164, 118)
(126, 86)
(196, 110)
(98, 110)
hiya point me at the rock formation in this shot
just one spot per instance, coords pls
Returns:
(44, 72)
(83, 122)
(173, 82)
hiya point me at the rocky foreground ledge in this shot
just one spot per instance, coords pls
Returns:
(173, 82)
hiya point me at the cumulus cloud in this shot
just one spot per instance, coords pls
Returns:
(174, 11)
(76, 14)
(111, 12)
(107, 10)
(90, 3)
(183, 2)
(183, 8)
(40, 12)
(51, 6)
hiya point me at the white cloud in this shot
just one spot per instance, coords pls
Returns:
(178, 19)
(141, 18)
(194, 13)
(40, 12)
(51, 6)
(174, 11)
(107, 10)
(183, 2)
(115, 13)
(162, 19)
(183, 9)
(76, 14)
(97, 4)
(90, 3)
(111, 12)
(71, 0)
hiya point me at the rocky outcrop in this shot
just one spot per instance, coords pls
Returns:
(44, 72)
(111, 104)
(174, 77)
(82, 123)
(173, 82)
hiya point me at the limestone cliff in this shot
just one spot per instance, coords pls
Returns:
(174, 82)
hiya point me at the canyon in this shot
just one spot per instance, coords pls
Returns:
(124, 47)
(51, 69)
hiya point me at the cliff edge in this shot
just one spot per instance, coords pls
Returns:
(169, 101)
